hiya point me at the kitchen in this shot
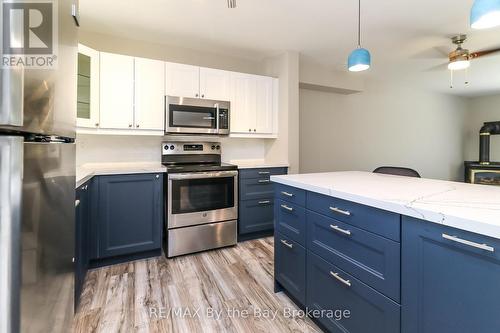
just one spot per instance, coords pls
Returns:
(211, 174)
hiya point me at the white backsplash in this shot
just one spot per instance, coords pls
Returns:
(123, 148)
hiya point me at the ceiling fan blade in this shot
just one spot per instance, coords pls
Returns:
(478, 54)
(440, 67)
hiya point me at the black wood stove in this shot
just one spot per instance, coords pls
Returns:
(484, 171)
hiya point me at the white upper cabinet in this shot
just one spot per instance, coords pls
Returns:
(182, 80)
(149, 94)
(243, 103)
(215, 84)
(88, 87)
(116, 91)
(264, 111)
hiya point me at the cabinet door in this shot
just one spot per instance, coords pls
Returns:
(256, 215)
(149, 94)
(215, 84)
(243, 103)
(264, 110)
(182, 80)
(88, 87)
(130, 214)
(290, 266)
(117, 91)
(448, 286)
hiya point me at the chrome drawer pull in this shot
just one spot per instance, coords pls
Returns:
(287, 194)
(485, 247)
(343, 231)
(336, 275)
(77, 203)
(264, 202)
(284, 242)
(264, 180)
(264, 172)
(340, 211)
(290, 209)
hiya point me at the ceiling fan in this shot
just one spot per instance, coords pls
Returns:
(460, 58)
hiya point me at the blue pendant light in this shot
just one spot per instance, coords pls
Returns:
(359, 59)
(485, 14)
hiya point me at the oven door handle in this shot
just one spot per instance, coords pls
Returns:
(202, 175)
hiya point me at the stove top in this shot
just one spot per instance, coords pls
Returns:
(181, 168)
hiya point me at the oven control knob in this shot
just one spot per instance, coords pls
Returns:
(213, 147)
(172, 147)
(166, 147)
(218, 147)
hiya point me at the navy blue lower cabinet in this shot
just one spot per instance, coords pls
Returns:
(290, 266)
(129, 214)
(256, 215)
(373, 259)
(357, 308)
(291, 221)
(450, 280)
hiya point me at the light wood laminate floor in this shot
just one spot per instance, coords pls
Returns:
(164, 295)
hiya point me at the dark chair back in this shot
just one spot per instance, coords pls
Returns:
(398, 171)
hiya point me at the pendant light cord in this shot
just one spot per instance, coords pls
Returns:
(359, 23)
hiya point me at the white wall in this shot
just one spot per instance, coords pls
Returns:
(123, 148)
(387, 124)
(480, 110)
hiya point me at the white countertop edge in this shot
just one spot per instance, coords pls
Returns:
(402, 208)
(85, 173)
(263, 166)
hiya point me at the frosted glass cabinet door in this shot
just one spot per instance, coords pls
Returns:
(117, 91)
(215, 84)
(88, 87)
(149, 94)
(182, 80)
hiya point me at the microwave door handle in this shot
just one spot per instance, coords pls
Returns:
(217, 116)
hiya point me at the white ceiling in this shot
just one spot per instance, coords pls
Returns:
(406, 38)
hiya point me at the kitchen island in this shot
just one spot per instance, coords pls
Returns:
(398, 254)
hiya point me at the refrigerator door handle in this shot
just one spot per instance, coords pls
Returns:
(11, 171)
(12, 96)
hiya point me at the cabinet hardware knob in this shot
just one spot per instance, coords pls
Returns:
(157, 176)
(287, 194)
(129, 125)
(290, 209)
(137, 126)
(96, 124)
(485, 247)
(340, 211)
(264, 172)
(249, 129)
(264, 202)
(284, 242)
(254, 130)
(342, 231)
(77, 203)
(197, 95)
(262, 181)
(203, 96)
(337, 276)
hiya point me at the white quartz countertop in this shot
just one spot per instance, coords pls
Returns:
(86, 171)
(470, 207)
(256, 164)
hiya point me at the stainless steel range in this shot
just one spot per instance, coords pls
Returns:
(201, 198)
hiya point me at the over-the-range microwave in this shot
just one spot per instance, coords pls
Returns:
(185, 115)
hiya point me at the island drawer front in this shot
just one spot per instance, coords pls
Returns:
(256, 188)
(291, 221)
(373, 259)
(256, 215)
(378, 221)
(370, 311)
(261, 172)
(290, 266)
(291, 194)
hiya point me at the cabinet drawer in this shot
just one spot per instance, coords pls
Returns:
(256, 188)
(330, 288)
(378, 221)
(261, 172)
(373, 259)
(256, 215)
(290, 266)
(291, 194)
(291, 221)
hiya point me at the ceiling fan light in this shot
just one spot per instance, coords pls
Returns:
(485, 14)
(359, 60)
(459, 65)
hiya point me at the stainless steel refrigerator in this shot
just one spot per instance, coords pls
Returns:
(37, 190)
